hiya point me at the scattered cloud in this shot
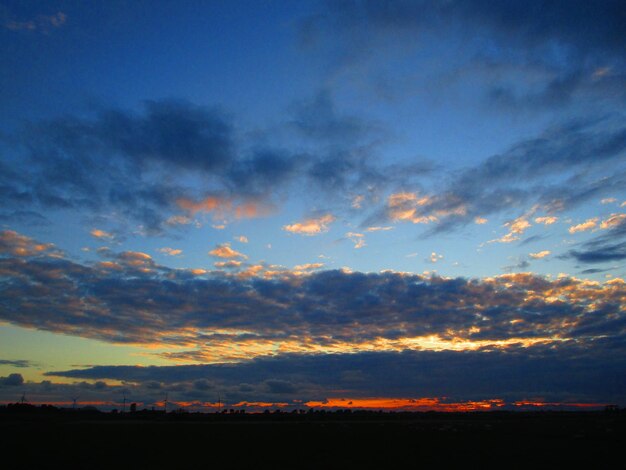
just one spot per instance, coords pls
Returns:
(584, 226)
(613, 221)
(540, 254)
(42, 23)
(357, 238)
(97, 233)
(516, 228)
(313, 226)
(357, 201)
(434, 257)
(228, 264)
(242, 239)
(547, 220)
(225, 251)
(20, 363)
(170, 251)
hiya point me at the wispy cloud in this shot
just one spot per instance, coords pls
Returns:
(42, 23)
(539, 254)
(170, 251)
(357, 238)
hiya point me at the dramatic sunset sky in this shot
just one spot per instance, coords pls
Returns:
(410, 205)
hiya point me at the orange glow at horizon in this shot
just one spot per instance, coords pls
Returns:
(407, 404)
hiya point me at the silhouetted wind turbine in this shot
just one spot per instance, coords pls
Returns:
(165, 403)
(74, 402)
(23, 400)
(124, 404)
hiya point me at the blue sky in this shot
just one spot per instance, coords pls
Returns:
(225, 181)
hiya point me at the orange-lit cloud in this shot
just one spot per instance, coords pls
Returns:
(227, 264)
(308, 266)
(539, 255)
(584, 226)
(225, 251)
(97, 233)
(314, 226)
(404, 207)
(170, 251)
(357, 238)
(224, 208)
(516, 228)
(547, 220)
(422, 209)
(20, 245)
(613, 221)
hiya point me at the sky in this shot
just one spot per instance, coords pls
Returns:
(402, 205)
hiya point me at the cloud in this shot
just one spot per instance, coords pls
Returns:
(571, 373)
(318, 119)
(405, 207)
(310, 227)
(586, 154)
(603, 254)
(225, 251)
(522, 264)
(42, 23)
(97, 233)
(584, 226)
(12, 380)
(605, 247)
(170, 251)
(357, 238)
(434, 257)
(132, 299)
(16, 244)
(613, 221)
(516, 228)
(21, 363)
(308, 266)
(540, 254)
(227, 264)
(548, 220)
(608, 200)
(242, 239)
(357, 201)
(521, 43)
(147, 166)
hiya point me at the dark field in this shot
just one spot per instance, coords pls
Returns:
(331, 440)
